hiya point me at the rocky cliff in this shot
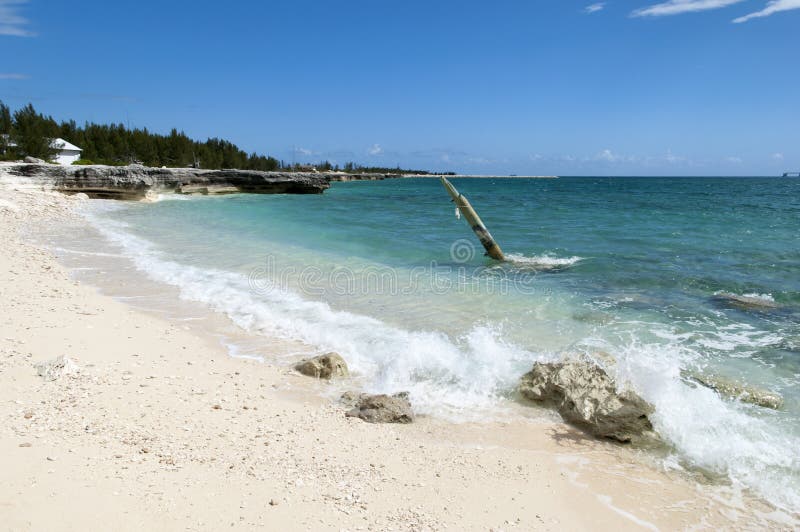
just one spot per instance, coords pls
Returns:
(135, 182)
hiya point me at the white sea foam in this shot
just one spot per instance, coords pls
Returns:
(84, 252)
(710, 432)
(608, 501)
(763, 297)
(156, 198)
(547, 261)
(726, 339)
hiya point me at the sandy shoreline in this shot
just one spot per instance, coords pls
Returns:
(162, 429)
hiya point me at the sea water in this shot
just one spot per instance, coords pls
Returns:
(635, 270)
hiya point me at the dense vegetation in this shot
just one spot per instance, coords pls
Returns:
(114, 144)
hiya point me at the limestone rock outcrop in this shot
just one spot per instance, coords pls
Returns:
(741, 392)
(327, 366)
(380, 408)
(133, 182)
(587, 397)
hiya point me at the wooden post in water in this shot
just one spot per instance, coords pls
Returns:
(474, 221)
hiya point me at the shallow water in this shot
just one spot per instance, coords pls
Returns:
(385, 274)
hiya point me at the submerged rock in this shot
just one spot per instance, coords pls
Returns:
(380, 408)
(587, 397)
(746, 301)
(741, 392)
(327, 366)
(55, 369)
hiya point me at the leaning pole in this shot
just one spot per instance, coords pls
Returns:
(474, 221)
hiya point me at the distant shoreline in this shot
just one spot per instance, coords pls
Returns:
(474, 176)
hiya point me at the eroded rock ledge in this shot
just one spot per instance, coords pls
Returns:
(134, 182)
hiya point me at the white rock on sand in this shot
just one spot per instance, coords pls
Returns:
(162, 430)
(52, 370)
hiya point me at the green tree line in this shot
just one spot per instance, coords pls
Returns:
(114, 144)
(28, 132)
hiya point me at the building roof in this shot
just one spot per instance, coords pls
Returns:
(59, 144)
(62, 144)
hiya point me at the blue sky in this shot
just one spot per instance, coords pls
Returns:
(625, 87)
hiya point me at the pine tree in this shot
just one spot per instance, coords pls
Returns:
(5, 131)
(5, 119)
(33, 133)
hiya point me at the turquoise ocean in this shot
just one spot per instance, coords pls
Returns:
(641, 269)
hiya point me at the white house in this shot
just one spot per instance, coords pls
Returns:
(5, 143)
(67, 153)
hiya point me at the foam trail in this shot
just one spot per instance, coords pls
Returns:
(169, 197)
(544, 261)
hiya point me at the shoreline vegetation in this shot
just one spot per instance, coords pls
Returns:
(142, 421)
(26, 132)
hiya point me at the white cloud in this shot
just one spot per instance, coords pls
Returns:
(671, 158)
(11, 22)
(606, 155)
(677, 7)
(303, 151)
(774, 6)
(611, 157)
(734, 160)
(777, 156)
(13, 76)
(594, 8)
(375, 150)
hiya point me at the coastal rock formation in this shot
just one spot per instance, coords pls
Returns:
(33, 160)
(740, 392)
(380, 408)
(135, 181)
(52, 370)
(587, 397)
(327, 366)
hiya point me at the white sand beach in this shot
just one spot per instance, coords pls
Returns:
(159, 428)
